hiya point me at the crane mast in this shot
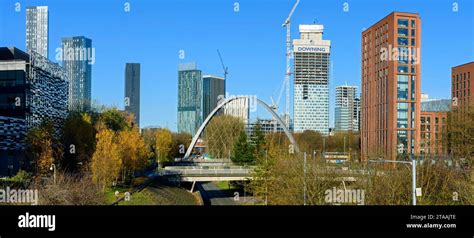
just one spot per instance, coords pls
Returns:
(288, 64)
(225, 69)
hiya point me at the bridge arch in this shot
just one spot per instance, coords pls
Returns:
(227, 101)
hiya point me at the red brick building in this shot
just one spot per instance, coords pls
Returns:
(391, 84)
(462, 88)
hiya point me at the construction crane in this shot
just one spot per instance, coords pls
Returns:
(275, 104)
(288, 56)
(226, 70)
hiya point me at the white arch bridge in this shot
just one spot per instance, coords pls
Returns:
(222, 105)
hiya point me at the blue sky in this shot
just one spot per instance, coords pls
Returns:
(251, 41)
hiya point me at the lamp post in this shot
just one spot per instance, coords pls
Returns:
(413, 173)
(53, 168)
(344, 145)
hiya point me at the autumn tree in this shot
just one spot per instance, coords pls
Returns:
(459, 136)
(309, 141)
(280, 178)
(163, 146)
(133, 151)
(221, 134)
(181, 142)
(106, 160)
(43, 147)
(343, 140)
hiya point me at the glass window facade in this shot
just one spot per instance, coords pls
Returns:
(402, 41)
(402, 22)
(402, 87)
(189, 100)
(402, 115)
(402, 140)
(12, 93)
(79, 70)
(403, 69)
(213, 90)
(311, 84)
(37, 32)
(402, 32)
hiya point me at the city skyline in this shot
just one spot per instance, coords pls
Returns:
(242, 77)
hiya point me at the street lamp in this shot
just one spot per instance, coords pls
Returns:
(413, 173)
(53, 168)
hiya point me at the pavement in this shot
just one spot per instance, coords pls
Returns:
(213, 195)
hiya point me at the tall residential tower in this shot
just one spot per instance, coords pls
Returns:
(189, 98)
(391, 83)
(213, 89)
(37, 30)
(347, 109)
(311, 80)
(78, 57)
(132, 90)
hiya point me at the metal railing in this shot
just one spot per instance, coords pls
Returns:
(200, 172)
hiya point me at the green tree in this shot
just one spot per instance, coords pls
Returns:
(115, 120)
(78, 136)
(243, 152)
(148, 135)
(258, 139)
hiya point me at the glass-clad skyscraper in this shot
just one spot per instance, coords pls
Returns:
(78, 57)
(37, 30)
(212, 88)
(347, 109)
(189, 98)
(311, 80)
